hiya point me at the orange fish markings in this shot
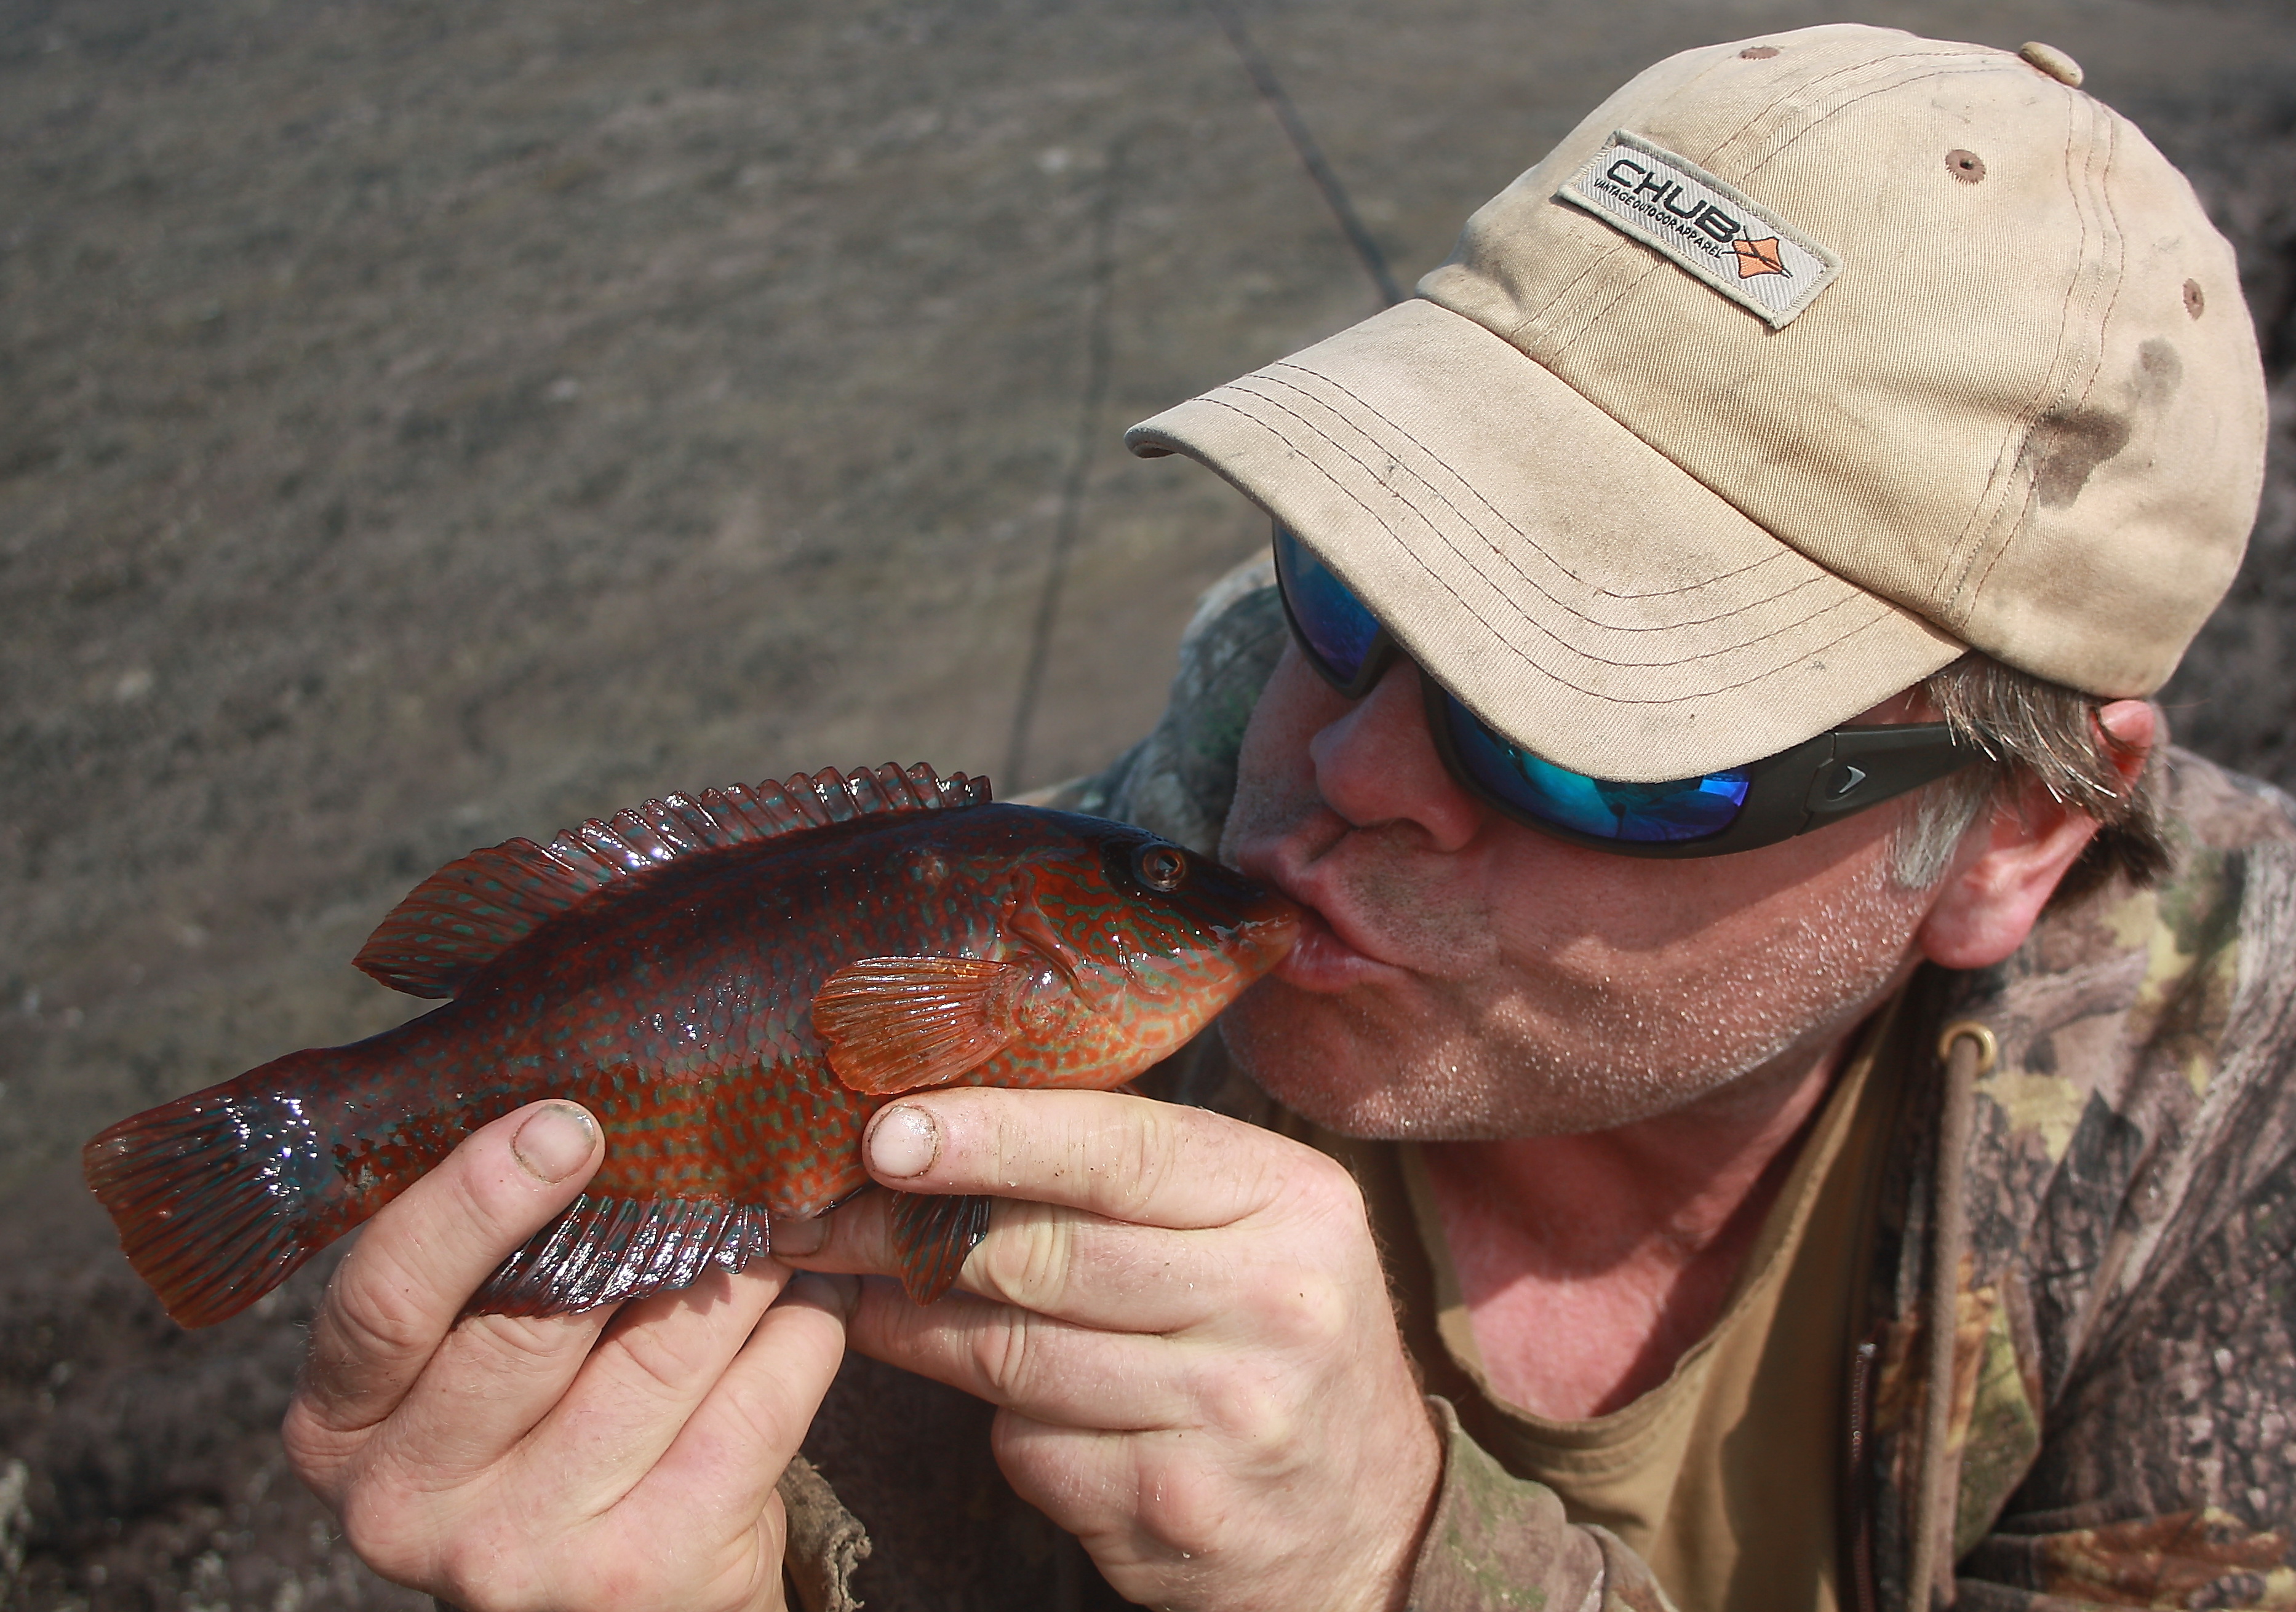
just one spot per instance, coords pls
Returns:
(733, 983)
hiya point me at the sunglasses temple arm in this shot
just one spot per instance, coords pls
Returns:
(1871, 765)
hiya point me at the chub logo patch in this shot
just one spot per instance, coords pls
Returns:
(1704, 226)
(1759, 257)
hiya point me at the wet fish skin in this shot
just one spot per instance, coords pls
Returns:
(732, 1013)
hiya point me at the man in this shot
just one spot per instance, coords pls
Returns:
(1738, 1129)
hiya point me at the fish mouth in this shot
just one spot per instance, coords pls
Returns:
(1265, 938)
(1331, 930)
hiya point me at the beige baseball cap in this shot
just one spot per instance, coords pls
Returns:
(1803, 364)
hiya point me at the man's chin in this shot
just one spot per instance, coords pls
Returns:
(1299, 1046)
(1347, 1069)
(1337, 1066)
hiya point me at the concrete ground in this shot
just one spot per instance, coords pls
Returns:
(424, 423)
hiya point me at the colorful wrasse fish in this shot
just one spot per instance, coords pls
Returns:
(733, 984)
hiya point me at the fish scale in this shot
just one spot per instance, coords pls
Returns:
(733, 984)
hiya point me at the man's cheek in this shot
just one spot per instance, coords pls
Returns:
(1275, 778)
(1262, 809)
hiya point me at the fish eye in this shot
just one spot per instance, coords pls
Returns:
(1160, 867)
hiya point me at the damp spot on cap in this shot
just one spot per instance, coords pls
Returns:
(2050, 59)
(1758, 52)
(2158, 372)
(2193, 301)
(2066, 448)
(1967, 166)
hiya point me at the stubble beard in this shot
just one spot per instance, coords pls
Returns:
(1569, 1052)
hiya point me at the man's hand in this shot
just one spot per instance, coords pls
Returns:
(611, 1460)
(1187, 1330)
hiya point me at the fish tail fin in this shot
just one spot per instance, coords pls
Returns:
(218, 1197)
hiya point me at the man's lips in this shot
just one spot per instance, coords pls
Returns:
(1323, 962)
(1334, 952)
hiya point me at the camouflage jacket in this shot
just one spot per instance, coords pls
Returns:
(2121, 1427)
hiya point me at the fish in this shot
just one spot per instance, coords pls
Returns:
(733, 983)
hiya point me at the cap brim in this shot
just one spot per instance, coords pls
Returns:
(1583, 594)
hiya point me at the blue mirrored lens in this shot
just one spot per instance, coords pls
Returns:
(1337, 629)
(1685, 809)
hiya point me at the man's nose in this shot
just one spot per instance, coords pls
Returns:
(1377, 764)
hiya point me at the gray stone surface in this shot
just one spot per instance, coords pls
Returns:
(422, 423)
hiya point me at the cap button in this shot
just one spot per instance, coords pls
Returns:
(2053, 62)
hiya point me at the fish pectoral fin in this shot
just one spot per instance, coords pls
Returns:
(604, 1249)
(933, 1234)
(897, 1024)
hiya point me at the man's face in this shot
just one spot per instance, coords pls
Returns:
(1472, 978)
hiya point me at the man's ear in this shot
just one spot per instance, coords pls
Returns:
(2010, 865)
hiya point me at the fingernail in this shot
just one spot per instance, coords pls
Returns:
(554, 1141)
(904, 1142)
(805, 1236)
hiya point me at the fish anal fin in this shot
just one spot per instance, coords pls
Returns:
(476, 908)
(898, 1024)
(604, 1249)
(933, 1234)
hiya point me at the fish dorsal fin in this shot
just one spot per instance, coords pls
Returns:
(474, 909)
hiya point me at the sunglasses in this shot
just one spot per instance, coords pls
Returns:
(1817, 782)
